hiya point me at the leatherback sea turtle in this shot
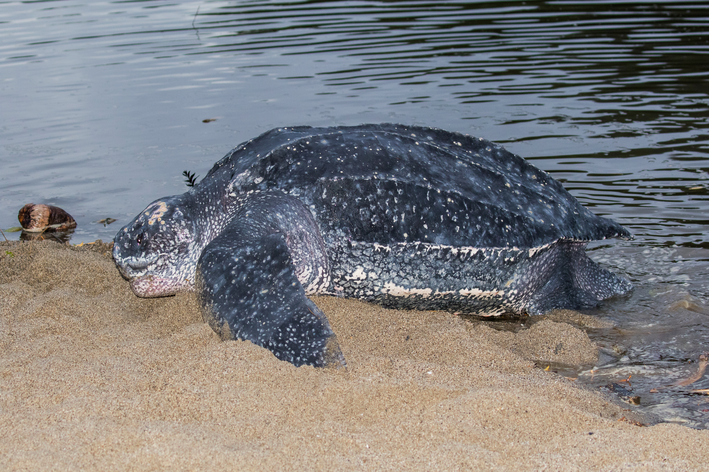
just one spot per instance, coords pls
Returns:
(405, 216)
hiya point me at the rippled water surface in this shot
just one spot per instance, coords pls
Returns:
(102, 108)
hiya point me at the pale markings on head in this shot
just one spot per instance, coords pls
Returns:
(158, 212)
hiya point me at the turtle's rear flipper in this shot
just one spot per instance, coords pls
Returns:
(571, 280)
(248, 289)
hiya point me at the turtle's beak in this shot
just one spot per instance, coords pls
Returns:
(131, 267)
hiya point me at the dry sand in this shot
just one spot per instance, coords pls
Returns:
(92, 377)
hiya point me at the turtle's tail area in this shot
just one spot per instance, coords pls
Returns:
(574, 280)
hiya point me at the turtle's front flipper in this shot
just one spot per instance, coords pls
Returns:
(249, 286)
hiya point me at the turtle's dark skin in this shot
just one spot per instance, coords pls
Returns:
(404, 216)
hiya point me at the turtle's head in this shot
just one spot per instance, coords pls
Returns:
(156, 251)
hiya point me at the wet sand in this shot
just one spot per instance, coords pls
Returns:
(92, 377)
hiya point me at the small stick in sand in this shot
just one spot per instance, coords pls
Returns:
(703, 361)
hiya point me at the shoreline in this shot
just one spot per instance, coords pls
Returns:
(93, 377)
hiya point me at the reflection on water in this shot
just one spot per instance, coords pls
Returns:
(62, 237)
(103, 106)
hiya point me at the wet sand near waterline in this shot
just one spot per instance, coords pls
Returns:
(92, 377)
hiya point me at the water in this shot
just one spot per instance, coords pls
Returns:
(102, 108)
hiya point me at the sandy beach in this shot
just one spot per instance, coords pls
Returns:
(92, 377)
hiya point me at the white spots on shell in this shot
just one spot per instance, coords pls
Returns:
(477, 293)
(240, 180)
(392, 289)
(358, 274)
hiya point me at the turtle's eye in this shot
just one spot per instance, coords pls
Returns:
(139, 238)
